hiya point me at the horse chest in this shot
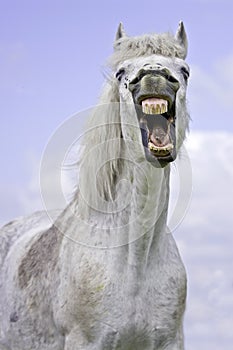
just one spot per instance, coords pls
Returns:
(143, 319)
(150, 302)
(113, 303)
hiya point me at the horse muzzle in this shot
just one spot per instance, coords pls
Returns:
(154, 94)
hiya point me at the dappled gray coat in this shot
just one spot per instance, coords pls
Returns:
(105, 274)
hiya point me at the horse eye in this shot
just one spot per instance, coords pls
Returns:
(185, 73)
(120, 73)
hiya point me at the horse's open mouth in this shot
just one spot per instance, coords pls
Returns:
(154, 94)
(157, 124)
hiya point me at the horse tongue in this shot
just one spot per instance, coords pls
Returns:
(159, 137)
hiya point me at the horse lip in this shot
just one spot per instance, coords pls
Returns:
(160, 162)
(162, 159)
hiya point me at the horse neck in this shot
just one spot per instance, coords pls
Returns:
(135, 221)
(149, 209)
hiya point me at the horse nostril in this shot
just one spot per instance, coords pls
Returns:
(165, 71)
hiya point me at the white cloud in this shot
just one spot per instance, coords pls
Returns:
(205, 239)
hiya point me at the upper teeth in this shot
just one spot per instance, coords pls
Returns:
(154, 106)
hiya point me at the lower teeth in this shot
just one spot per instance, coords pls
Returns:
(162, 150)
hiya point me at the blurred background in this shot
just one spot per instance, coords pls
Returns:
(52, 65)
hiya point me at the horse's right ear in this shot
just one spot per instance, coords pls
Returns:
(181, 37)
(120, 32)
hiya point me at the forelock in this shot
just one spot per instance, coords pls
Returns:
(158, 44)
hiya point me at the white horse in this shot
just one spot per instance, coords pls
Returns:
(107, 273)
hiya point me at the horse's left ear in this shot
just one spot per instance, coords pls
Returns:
(119, 35)
(181, 37)
(120, 32)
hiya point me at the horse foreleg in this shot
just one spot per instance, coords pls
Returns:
(76, 340)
